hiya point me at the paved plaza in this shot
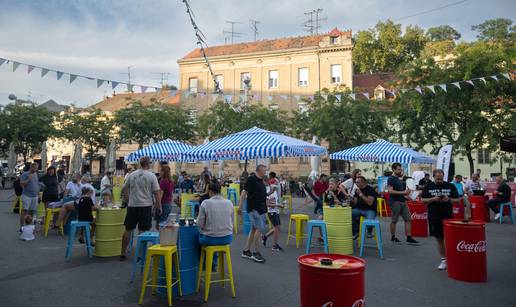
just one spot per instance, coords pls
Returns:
(35, 273)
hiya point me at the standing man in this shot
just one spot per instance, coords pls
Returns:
(439, 196)
(500, 196)
(30, 184)
(398, 203)
(143, 190)
(256, 194)
(105, 183)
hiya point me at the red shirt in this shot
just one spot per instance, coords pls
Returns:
(273, 181)
(320, 187)
(167, 187)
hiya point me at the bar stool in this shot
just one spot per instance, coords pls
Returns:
(193, 204)
(74, 225)
(141, 247)
(49, 215)
(311, 225)
(208, 252)
(232, 196)
(298, 219)
(288, 198)
(381, 207)
(511, 216)
(170, 255)
(377, 236)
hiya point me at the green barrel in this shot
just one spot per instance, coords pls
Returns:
(109, 231)
(339, 229)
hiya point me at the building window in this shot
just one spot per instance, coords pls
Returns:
(484, 156)
(220, 80)
(304, 160)
(193, 85)
(303, 76)
(379, 94)
(302, 107)
(336, 73)
(334, 40)
(245, 79)
(273, 78)
(192, 115)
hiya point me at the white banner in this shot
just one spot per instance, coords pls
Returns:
(443, 160)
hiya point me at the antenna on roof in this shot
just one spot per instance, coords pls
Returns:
(128, 73)
(163, 77)
(313, 24)
(253, 24)
(232, 33)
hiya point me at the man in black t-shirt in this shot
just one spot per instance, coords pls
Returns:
(501, 195)
(364, 204)
(439, 196)
(421, 184)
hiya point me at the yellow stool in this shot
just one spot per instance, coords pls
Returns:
(155, 252)
(49, 215)
(208, 252)
(288, 198)
(381, 207)
(299, 235)
(360, 232)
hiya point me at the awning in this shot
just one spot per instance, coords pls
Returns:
(167, 150)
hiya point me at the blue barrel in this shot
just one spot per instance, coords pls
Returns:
(246, 220)
(188, 248)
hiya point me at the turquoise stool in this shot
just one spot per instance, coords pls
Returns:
(363, 234)
(74, 225)
(511, 216)
(141, 246)
(232, 196)
(311, 225)
(193, 206)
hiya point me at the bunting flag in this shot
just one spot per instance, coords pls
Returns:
(419, 90)
(15, 66)
(157, 89)
(72, 78)
(443, 86)
(338, 97)
(143, 89)
(129, 88)
(470, 82)
(114, 84)
(99, 82)
(431, 88)
(297, 97)
(352, 95)
(457, 84)
(324, 96)
(2, 61)
(506, 75)
(483, 80)
(59, 74)
(366, 95)
(492, 77)
(44, 71)
(228, 98)
(30, 68)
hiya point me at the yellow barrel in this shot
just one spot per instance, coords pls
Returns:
(339, 229)
(344, 247)
(224, 192)
(185, 209)
(109, 231)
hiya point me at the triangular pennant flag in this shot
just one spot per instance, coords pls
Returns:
(2, 61)
(130, 88)
(242, 97)
(285, 97)
(419, 90)
(492, 77)
(228, 98)
(44, 71)
(311, 97)
(72, 78)
(443, 86)
(366, 95)
(457, 84)
(352, 95)
(506, 75)
(338, 97)
(470, 82)
(30, 68)
(59, 74)
(297, 97)
(158, 89)
(172, 93)
(143, 88)
(214, 97)
(15, 66)
(483, 80)
(114, 84)
(325, 97)
(99, 82)
(431, 88)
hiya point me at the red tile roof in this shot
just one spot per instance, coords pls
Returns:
(120, 101)
(368, 82)
(267, 45)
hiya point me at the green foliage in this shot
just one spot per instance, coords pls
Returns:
(139, 123)
(495, 29)
(27, 125)
(442, 33)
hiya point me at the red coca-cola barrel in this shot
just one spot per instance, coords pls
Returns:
(466, 250)
(331, 280)
(419, 214)
(458, 209)
(479, 210)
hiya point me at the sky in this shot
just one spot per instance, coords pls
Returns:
(101, 38)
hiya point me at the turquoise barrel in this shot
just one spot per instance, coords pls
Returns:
(245, 219)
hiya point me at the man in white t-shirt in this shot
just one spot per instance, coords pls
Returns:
(350, 184)
(273, 205)
(72, 192)
(105, 183)
(143, 190)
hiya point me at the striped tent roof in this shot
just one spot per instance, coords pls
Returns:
(167, 150)
(253, 143)
(382, 151)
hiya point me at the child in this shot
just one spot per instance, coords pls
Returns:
(28, 229)
(107, 200)
(273, 214)
(85, 208)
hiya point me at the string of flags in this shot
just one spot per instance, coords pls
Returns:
(72, 76)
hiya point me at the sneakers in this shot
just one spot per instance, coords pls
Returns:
(277, 248)
(257, 257)
(497, 216)
(412, 241)
(443, 265)
(247, 254)
(264, 240)
(395, 240)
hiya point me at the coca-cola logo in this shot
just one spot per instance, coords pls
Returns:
(419, 216)
(359, 303)
(329, 304)
(478, 247)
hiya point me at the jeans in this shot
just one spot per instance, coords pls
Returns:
(258, 221)
(211, 241)
(356, 214)
(318, 201)
(494, 204)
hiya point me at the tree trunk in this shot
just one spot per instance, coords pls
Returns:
(470, 160)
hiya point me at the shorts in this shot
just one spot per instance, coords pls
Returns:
(274, 218)
(435, 220)
(29, 203)
(141, 216)
(257, 221)
(400, 208)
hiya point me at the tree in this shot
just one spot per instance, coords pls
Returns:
(92, 128)
(385, 47)
(27, 125)
(138, 123)
(495, 29)
(442, 33)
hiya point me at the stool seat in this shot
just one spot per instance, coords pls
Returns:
(378, 234)
(141, 248)
(170, 255)
(208, 252)
(511, 216)
(299, 235)
(74, 225)
(322, 226)
(48, 216)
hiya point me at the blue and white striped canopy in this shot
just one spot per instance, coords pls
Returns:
(382, 151)
(253, 143)
(167, 150)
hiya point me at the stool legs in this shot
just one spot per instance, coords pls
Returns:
(135, 259)
(206, 262)
(230, 272)
(168, 275)
(201, 263)
(178, 274)
(289, 229)
(221, 269)
(69, 246)
(362, 238)
(309, 241)
(325, 238)
(379, 240)
(155, 271)
(145, 277)
(207, 281)
(47, 221)
(88, 242)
